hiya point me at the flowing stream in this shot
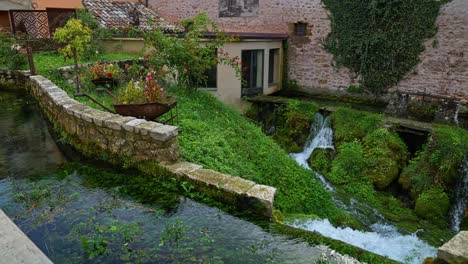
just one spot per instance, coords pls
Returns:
(460, 198)
(384, 239)
(75, 216)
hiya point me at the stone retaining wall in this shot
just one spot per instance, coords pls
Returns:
(132, 140)
(11, 78)
(112, 134)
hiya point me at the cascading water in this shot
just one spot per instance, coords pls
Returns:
(320, 136)
(460, 198)
(384, 239)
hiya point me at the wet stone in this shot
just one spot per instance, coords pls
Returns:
(456, 250)
(180, 168)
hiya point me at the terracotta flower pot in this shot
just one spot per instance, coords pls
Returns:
(147, 110)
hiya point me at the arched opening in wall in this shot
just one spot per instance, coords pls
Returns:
(413, 138)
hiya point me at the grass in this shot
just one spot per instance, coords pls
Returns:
(45, 61)
(220, 138)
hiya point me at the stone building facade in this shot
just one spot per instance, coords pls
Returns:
(308, 63)
(443, 70)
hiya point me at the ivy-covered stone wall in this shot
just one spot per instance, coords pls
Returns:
(443, 69)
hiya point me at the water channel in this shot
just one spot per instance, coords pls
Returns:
(74, 220)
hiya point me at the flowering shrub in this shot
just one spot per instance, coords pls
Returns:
(146, 90)
(188, 59)
(134, 71)
(104, 70)
(12, 55)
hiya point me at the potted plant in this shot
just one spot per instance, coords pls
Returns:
(104, 74)
(144, 99)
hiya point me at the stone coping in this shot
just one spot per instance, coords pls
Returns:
(243, 189)
(100, 118)
(16, 247)
(144, 140)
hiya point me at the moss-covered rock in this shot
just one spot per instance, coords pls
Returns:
(321, 160)
(348, 165)
(433, 204)
(385, 155)
(349, 124)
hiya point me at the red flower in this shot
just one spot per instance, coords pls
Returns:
(109, 75)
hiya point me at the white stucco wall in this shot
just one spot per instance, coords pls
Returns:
(229, 85)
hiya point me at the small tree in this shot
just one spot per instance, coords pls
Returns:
(187, 56)
(77, 39)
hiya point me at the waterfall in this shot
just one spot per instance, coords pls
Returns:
(320, 136)
(384, 239)
(460, 198)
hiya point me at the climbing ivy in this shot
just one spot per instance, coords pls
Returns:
(380, 40)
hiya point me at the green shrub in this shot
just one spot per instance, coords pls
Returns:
(447, 151)
(385, 155)
(348, 166)
(349, 124)
(433, 204)
(418, 175)
(11, 55)
(438, 162)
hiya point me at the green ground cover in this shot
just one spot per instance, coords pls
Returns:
(220, 138)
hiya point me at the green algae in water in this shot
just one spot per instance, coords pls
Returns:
(74, 217)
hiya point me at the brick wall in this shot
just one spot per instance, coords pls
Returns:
(443, 70)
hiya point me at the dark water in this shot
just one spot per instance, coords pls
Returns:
(73, 220)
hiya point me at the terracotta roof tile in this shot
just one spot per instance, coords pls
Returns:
(120, 14)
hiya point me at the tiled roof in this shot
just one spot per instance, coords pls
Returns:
(120, 15)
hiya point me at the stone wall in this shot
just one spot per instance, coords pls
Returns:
(443, 70)
(11, 78)
(308, 63)
(135, 141)
(111, 134)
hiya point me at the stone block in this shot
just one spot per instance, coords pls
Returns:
(100, 116)
(262, 192)
(130, 126)
(455, 251)
(146, 127)
(117, 122)
(181, 168)
(208, 177)
(163, 133)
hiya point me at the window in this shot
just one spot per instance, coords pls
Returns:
(252, 72)
(212, 74)
(300, 29)
(273, 66)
